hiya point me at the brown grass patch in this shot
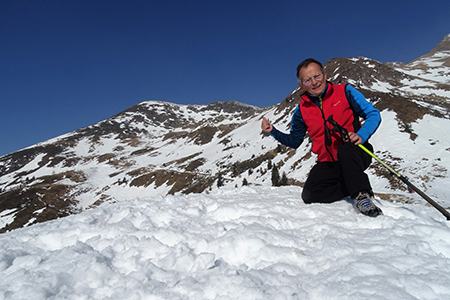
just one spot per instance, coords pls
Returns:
(185, 182)
(41, 202)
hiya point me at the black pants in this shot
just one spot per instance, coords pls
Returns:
(331, 181)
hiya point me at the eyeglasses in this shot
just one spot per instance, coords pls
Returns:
(308, 81)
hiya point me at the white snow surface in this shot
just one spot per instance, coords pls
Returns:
(232, 243)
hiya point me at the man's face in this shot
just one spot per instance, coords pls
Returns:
(312, 79)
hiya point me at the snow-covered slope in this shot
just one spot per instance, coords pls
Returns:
(233, 243)
(158, 148)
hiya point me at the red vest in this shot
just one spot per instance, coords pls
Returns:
(334, 103)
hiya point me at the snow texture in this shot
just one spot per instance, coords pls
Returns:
(232, 243)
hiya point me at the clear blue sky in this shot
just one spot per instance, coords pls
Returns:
(65, 65)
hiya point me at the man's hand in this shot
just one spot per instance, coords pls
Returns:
(354, 138)
(266, 126)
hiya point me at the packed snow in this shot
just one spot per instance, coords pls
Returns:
(233, 243)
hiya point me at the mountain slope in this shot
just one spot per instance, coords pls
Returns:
(160, 148)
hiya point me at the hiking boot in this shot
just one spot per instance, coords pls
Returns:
(365, 205)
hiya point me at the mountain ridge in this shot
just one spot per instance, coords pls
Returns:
(160, 148)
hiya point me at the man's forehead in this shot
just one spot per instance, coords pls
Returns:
(312, 67)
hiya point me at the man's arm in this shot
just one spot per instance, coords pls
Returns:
(364, 109)
(296, 135)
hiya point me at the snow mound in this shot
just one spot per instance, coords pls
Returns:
(243, 243)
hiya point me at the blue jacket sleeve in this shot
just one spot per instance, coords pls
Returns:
(365, 110)
(297, 133)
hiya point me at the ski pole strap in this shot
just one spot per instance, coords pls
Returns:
(338, 128)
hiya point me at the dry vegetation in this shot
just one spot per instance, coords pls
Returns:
(46, 200)
(186, 182)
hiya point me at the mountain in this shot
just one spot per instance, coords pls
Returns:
(159, 148)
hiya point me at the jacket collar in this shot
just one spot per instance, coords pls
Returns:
(326, 91)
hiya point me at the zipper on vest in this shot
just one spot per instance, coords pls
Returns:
(328, 140)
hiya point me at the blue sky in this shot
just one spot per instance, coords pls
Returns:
(65, 65)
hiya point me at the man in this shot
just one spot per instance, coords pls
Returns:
(339, 171)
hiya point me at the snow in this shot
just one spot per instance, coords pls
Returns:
(254, 242)
(233, 243)
(424, 160)
(7, 216)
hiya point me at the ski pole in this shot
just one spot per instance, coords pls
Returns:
(408, 183)
(344, 136)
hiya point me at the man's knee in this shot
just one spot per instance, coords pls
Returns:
(306, 196)
(345, 150)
